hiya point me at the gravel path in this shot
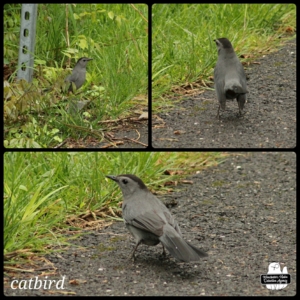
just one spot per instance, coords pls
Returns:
(270, 113)
(242, 212)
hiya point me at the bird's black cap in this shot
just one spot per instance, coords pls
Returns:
(225, 42)
(132, 177)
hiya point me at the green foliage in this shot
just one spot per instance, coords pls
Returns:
(11, 25)
(183, 50)
(114, 35)
(28, 201)
(42, 189)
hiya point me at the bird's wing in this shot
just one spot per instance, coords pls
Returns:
(162, 211)
(148, 221)
(171, 221)
(219, 81)
(73, 77)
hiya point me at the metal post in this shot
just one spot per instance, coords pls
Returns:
(27, 41)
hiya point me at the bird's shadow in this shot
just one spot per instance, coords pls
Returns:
(166, 266)
(231, 117)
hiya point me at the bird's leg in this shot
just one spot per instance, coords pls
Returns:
(132, 253)
(218, 114)
(164, 251)
(240, 110)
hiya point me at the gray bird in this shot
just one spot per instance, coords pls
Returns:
(150, 222)
(229, 76)
(78, 74)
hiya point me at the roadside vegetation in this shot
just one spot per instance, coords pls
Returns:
(50, 197)
(114, 35)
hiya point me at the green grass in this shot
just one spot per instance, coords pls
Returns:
(114, 35)
(43, 190)
(183, 50)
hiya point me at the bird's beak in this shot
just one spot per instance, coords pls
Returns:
(90, 59)
(112, 177)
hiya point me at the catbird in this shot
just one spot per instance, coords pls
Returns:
(229, 76)
(78, 73)
(150, 222)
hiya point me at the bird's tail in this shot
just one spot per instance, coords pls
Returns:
(199, 252)
(179, 248)
(233, 89)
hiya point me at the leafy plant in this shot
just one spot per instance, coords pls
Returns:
(114, 35)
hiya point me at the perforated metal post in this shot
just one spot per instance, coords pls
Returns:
(27, 41)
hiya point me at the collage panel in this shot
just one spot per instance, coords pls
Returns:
(76, 75)
(150, 223)
(223, 76)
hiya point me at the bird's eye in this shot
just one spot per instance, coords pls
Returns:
(125, 181)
